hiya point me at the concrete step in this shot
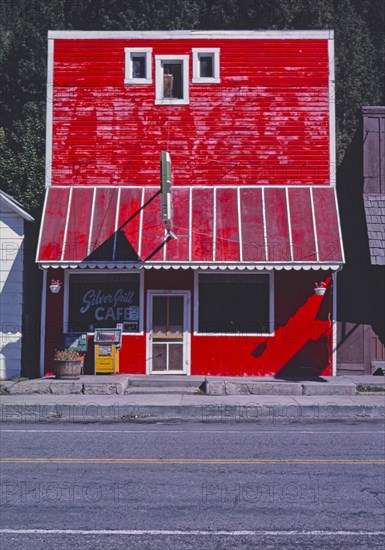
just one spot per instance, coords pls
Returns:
(167, 390)
(165, 381)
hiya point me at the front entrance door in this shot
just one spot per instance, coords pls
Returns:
(168, 332)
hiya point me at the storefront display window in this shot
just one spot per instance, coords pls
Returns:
(103, 301)
(234, 304)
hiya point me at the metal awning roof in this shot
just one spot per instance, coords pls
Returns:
(217, 227)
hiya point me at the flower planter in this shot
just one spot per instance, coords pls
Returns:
(67, 370)
(54, 289)
(320, 290)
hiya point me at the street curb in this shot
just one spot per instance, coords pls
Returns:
(205, 413)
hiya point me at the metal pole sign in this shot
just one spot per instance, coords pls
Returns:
(165, 183)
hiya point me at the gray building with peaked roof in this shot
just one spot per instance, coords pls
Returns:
(12, 219)
(361, 285)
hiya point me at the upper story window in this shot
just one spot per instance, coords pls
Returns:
(171, 80)
(138, 66)
(206, 66)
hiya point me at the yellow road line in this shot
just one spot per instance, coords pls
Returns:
(199, 461)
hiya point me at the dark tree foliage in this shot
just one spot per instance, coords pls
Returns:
(360, 53)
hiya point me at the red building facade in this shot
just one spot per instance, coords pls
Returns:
(248, 121)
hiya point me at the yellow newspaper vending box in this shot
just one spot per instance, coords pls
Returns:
(108, 342)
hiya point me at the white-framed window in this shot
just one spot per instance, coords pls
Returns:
(171, 80)
(234, 304)
(206, 66)
(101, 299)
(138, 66)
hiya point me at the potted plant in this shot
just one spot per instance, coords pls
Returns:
(320, 289)
(55, 286)
(68, 364)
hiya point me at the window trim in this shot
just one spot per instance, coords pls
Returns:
(270, 273)
(128, 79)
(89, 272)
(159, 99)
(197, 79)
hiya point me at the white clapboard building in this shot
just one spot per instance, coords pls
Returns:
(12, 219)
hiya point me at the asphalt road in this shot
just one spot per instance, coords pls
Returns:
(192, 486)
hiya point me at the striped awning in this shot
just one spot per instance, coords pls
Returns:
(225, 227)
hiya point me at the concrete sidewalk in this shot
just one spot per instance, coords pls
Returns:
(199, 399)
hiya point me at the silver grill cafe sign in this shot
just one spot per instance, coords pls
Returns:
(108, 306)
(103, 304)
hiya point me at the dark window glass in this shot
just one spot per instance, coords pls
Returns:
(159, 315)
(206, 66)
(176, 314)
(138, 66)
(167, 356)
(159, 357)
(167, 316)
(172, 80)
(175, 354)
(102, 301)
(234, 304)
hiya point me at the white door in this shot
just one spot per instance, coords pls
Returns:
(168, 332)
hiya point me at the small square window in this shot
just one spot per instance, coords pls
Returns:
(138, 66)
(206, 66)
(171, 73)
(206, 69)
(172, 80)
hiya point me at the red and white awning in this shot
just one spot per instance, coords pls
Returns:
(264, 227)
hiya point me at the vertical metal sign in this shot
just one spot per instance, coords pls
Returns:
(165, 182)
